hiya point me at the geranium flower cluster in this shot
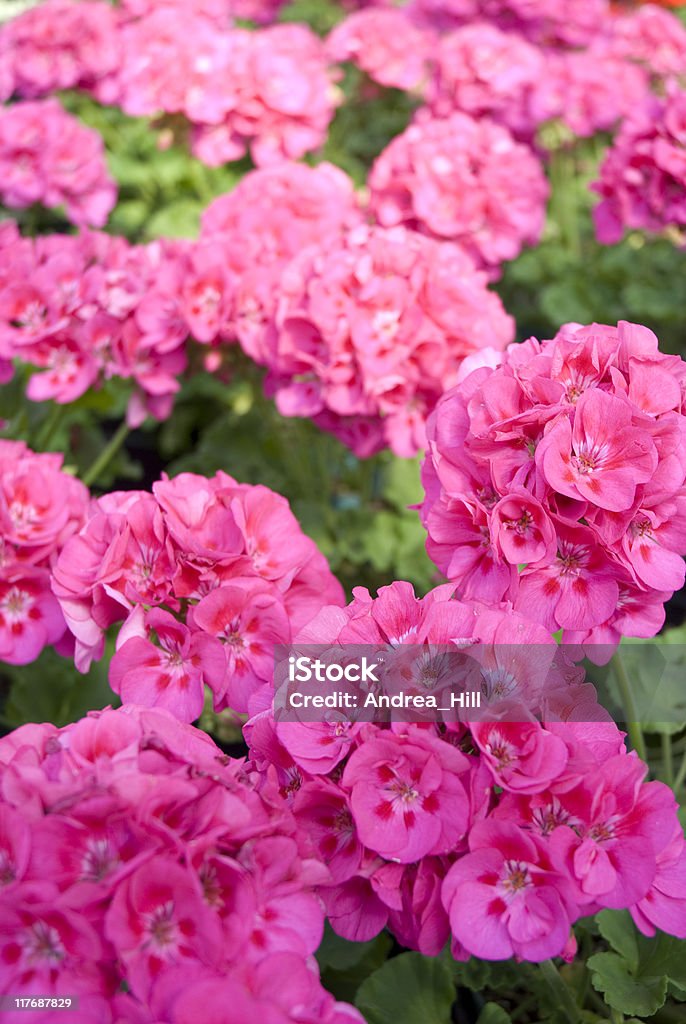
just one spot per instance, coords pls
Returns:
(369, 332)
(267, 219)
(643, 176)
(387, 44)
(498, 833)
(481, 69)
(146, 876)
(59, 44)
(547, 22)
(47, 156)
(268, 91)
(88, 307)
(41, 506)
(556, 480)
(208, 575)
(462, 179)
(483, 59)
(650, 36)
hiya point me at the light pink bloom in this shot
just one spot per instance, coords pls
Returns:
(372, 329)
(386, 44)
(465, 180)
(47, 156)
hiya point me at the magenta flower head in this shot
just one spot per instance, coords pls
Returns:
(41, 507)
(642, 180)
(208, 575)
(556, 480)
(143, 871)
(497, 834)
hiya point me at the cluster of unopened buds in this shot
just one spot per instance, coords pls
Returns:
(555, 479)
(146, 876)
(495, 834)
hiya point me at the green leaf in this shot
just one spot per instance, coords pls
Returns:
(638, 996)
(341, 954)
(52, 690)
(617, 928)
(346, 965)
(408, 989)
(180, 219)
(493, 1014)
(636, 976)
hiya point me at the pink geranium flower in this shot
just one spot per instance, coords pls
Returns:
(502, 832)
(454, 178)
(504, 899)
(406, 796)
(140, 864)
(555, 481)
(209, 574)
(171, 673)
(47, 156)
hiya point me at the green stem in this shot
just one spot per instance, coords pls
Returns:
(49, 426)
(560, 991)
(667, 758)
(106, 455)
(680, 775)
(616, 1016)
(626, 693)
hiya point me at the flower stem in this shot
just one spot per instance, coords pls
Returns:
(680, 776)
(560, 991)
(626, 693)
(667, 758)
(106, 455)
(49, 426)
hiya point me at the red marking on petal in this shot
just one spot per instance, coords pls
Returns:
(328, 846)
(431, 803)
(384, 810)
